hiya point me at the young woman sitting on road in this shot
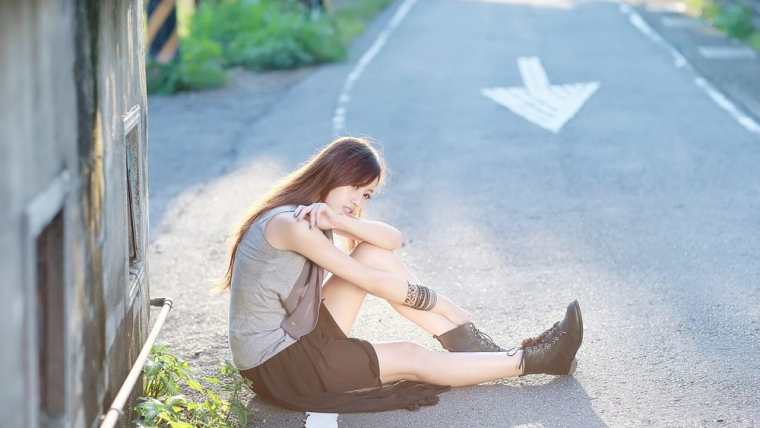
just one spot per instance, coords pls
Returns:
(289, 328)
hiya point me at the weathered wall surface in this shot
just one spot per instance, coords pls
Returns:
(72, 71)
(31, 96)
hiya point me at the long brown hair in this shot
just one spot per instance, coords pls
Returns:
(345, 161)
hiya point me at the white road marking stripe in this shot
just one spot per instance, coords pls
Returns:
(523, 103)
(548, 106)
(321, 420)
(638, 22)
(727, 105)
(533, 74)
(681, 22)
(721, 100)
(518, 99)
(341, 109)
(530, 99)
(727, 52)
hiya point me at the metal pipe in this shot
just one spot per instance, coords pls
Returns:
(110, 418)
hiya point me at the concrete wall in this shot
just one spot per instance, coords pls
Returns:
(72, 78)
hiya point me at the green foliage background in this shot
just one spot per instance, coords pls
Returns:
(257, 35)
(734, 19)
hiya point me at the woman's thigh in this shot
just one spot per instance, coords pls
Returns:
(398, 360)
(344, 299)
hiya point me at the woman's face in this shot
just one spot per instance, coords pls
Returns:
(350, 200)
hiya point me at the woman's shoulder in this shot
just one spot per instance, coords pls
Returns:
(281, 222)
(274, 211)
(260, 225)
(284, 229)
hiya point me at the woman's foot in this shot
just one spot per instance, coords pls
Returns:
(468, 338)
(555, 354)
(573, 309)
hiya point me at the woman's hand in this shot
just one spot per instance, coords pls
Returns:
(319, 215)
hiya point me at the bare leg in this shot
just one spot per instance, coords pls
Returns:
(344, 299)
(410, 361)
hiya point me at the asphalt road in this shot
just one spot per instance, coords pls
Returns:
(644, 207)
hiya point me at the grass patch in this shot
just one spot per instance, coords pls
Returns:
(734, 20)
(706, 9)
(268, 35)
(754, 40)
(200, 66)
(353, 16)
(173, 397)
(258, 35)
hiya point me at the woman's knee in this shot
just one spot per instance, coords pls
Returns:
(416, 355)
(373, 255)
(401, 360)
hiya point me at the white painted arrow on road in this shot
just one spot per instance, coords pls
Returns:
(548, 106)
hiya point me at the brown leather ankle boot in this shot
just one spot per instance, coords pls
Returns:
(556, 355)
(467, 338)
(573, 310)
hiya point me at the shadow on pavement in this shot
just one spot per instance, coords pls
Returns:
(560, 402)
(263, 414)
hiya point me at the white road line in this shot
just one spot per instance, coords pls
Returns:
(727, 52)
(546, 105)
(533, 75)
(638, 22)
(721, 100)
(550, 112)
(341, 109)
(681, 22)
(728, 106)
(321, 420)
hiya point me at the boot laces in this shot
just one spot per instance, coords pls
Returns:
(549, 344)
(541, 337)
(485, 339)
(538, 348)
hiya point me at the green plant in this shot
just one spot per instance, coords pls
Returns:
(268, 34)
(707, 9)
(162, 78)
(735, 20)
(259, 35)
(201, 64)
(352, 17)
(754, 40)
(274, 46)
(164, 404)
(711, 10)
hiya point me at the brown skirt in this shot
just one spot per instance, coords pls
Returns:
(325, 371)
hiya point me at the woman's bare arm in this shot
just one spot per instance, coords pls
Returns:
(377, 233)
(287, 233)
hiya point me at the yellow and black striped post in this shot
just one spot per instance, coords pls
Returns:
(162, 30)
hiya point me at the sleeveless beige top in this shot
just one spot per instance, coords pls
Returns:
(274, 296)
